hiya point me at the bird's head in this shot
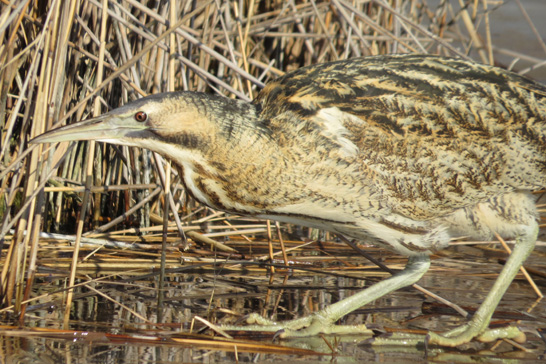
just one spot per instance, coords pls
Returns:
(204, 135)
(180, 118)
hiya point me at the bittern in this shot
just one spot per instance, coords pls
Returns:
(404, 151)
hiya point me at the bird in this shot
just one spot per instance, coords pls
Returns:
(403, 151)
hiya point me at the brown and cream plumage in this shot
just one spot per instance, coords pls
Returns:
(404, 151)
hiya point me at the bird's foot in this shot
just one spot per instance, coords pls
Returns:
(459, 336)
(466, 333)
(311, 325)
(323, 321)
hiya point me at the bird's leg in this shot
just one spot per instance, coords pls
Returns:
(324, 320)
(478, 325)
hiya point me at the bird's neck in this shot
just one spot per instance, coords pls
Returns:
(236, 168)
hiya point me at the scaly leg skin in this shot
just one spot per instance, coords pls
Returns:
(477, 327)
(323, 321)
(480, 321)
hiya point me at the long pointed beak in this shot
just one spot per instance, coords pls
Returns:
(103, 128)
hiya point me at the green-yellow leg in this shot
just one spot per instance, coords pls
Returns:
(324, 320)
(477, 327)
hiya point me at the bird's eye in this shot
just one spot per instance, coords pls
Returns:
(141, 116)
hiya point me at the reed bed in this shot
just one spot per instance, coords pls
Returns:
(63, 61)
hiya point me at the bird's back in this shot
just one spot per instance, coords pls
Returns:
(429, 134)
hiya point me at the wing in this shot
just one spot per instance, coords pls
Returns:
(430, 133)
